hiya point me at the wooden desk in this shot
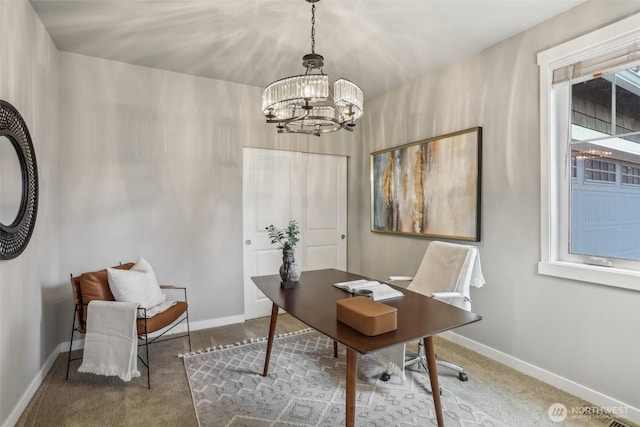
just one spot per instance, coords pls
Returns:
(313, 302)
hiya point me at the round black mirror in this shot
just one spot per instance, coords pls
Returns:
(19, 185)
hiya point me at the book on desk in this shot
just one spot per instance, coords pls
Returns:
(381, 291)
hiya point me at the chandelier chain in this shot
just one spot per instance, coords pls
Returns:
(313, 28)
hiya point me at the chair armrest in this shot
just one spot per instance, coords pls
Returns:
(448, 295)
(178, 288)
(400, 278)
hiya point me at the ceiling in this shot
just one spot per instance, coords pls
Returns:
(379, 44)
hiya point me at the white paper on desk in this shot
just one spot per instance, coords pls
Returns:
(381, 291)
(354, 285)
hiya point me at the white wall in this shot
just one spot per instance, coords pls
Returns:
(583, 332)
(28, 333)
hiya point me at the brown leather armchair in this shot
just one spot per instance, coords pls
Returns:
(95, 286)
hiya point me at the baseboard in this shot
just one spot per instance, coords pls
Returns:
(590, 395)
(32, 389)
(209, 323)
(202, 324)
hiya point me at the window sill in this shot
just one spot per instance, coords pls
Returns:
(608, 276)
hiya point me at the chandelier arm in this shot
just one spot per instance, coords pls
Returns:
(304, 132)
(290, 119)
(348, 126)
(314, 129)
(314, 132)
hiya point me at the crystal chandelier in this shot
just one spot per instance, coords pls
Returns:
(305, 104)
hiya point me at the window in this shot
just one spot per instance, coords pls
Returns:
(630, 174)
(599, 171)
(590, 157)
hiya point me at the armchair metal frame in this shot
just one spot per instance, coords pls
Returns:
(144, 338)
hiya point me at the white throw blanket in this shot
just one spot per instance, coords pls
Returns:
(110, 344)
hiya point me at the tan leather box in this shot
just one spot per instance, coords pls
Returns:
(367, 316)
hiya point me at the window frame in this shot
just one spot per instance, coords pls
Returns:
(587, 169)
(633, 167)
(554, 173)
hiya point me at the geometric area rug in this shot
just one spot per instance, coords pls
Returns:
(306, 387)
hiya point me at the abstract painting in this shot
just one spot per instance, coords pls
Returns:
(430, 187)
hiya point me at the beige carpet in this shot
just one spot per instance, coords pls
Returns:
(89, 400)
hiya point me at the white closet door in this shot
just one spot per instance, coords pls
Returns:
(324, 204)
(283, 185)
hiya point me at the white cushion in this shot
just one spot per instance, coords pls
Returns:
(143, 265)
(138, 285)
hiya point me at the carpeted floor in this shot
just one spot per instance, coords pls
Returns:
(88, 400)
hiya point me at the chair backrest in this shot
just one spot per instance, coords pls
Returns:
(91, 286)
(446, 267)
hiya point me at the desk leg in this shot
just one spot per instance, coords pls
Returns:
(352, 368)
(335, 348)
(433, 378)
(272, 332)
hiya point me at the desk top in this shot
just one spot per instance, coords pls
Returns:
(313, 302)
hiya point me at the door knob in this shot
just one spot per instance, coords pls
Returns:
(247, 242)
(343, 237)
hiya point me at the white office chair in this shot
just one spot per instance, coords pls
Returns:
(447, 271)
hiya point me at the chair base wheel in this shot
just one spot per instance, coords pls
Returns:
(462, 376)
(385, 377)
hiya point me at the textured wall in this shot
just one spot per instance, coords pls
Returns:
(28, 80)
(582, 332)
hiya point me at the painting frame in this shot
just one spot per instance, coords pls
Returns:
(429, 188)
